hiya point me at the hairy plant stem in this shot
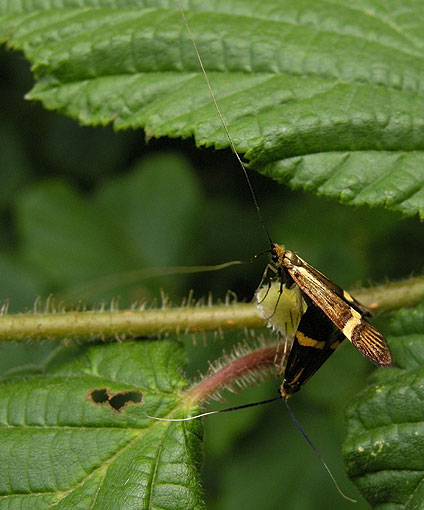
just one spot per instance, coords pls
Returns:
(86, 325)
(258, 360)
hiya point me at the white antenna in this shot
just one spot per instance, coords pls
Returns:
(225, 126)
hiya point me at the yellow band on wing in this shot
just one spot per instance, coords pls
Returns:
(351, 324)
(306, 341)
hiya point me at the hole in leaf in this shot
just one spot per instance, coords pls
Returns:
(100, 396)
(115, 401)
(121, 400)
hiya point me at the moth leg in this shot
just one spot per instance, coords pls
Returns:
(280, 292)
(268, 267)
(285, 279)
(277, 358)
(281, 358)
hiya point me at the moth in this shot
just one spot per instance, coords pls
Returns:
(332, 315)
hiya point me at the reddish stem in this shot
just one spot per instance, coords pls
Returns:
(254, 361)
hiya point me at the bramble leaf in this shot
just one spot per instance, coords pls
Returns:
(384, 449)
(326, 97)
(77, 435)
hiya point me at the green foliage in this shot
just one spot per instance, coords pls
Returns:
(325, 97)
(59, 449)
(59, 228)
(384, 447)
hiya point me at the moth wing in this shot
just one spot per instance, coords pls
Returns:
(372, 344)
(343, 311)
(315, 340)
(339, 291)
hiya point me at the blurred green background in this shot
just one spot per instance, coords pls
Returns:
(86, 213)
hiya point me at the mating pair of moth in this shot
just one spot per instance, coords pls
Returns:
(331, 315)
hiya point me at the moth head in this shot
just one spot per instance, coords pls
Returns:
(287, 389)
(277, 253)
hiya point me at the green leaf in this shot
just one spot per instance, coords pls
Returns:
(326, 97)
(384, 449)
(73, 239)
(59, 449)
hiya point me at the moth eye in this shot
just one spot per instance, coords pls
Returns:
(274, 257)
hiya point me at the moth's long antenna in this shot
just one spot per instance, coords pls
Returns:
(227, 410)
(314, 449)
(224, 124)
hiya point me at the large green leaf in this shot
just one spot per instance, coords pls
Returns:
(59, 449)
(327, 97)
(384, 450)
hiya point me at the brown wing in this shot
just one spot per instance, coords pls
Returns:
(339, 291)
(343, 310)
